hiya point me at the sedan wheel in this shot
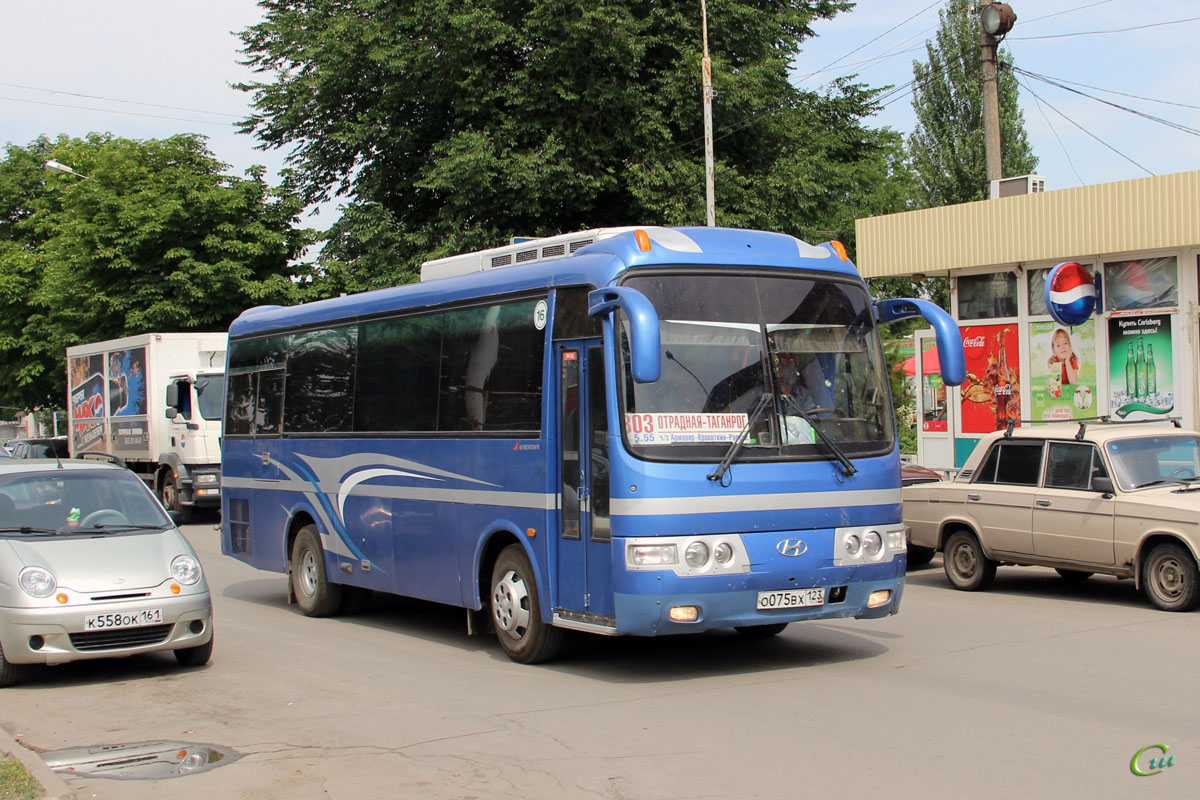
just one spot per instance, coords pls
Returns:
(1170, 578)
(967, 567)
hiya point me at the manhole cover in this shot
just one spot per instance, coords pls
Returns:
(139, 760)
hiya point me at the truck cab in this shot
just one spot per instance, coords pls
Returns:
(190, 476)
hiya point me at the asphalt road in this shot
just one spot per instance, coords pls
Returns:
(1035, 688)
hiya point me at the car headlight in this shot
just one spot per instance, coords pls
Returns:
(185, 569)
(37, 581)
(872, 543)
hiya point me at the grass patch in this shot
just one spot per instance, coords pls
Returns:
(15, 781)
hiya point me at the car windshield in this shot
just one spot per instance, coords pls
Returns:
(808, 342)
(1154, 460)
(62, 501)
(210, 394)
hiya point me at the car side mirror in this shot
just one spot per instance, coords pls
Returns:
(1103, 485)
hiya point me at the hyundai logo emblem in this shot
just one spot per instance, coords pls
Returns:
(792, 547)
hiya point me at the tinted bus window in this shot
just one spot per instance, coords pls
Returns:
(491, 369)
(397, 385)
(320, 381)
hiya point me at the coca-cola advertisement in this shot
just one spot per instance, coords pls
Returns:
(991, 394)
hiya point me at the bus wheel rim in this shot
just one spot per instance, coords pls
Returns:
(510, 604)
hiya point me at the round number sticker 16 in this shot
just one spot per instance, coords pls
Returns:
(539, 315)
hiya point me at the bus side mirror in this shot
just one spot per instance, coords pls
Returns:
(644, 347)
(945, 329)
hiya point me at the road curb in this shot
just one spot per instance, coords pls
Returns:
(53, 787)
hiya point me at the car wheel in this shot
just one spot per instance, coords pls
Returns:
(10, 673)
(516, 613)
(761, 631)
(918, 556)
(315, 595)
(1170, 578)
(168, 493)
(195, 656)
(1073, 575)
(966, 566)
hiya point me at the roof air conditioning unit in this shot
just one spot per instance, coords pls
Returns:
(1021, 184)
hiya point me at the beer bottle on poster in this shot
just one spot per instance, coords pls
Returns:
(1140, 369)
(1130, 376)
(1151, 378)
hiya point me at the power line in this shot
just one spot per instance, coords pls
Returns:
(1102, 33)
(1135, 112)
(1068, 11)
(872, 41)
(1089, 133)
(1049, 79)
(1054, 130)
(114, 111)
(115, 100)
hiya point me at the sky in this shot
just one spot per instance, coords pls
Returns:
(154, 68)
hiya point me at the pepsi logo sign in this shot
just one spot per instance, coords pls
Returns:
(1071, 293)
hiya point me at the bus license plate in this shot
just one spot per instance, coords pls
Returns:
(791, 598)
(128, 619)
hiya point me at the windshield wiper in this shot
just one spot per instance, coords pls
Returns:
(736, 447)
(27, 529)
(119, 526)
(848, 468)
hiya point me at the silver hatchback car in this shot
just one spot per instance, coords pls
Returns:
(91, 566)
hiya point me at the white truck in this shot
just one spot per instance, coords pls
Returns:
(154, 402)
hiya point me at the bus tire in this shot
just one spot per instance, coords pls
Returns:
(967, 568)
(1170, 578)
(516, 612)
(761, 631)
(315, 595)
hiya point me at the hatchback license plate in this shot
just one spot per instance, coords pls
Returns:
(791, 598)
(128, 619)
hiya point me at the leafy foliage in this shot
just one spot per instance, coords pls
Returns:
(147, 236)
(946, 147)
(452, 125)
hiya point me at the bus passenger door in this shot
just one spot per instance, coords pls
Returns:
(584, 540)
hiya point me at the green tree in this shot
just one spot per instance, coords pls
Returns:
(155, 238)
(451, 125)
(946, 146)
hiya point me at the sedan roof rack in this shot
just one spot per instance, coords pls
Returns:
(1104, 419)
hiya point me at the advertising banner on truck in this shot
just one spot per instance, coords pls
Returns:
(87, 402)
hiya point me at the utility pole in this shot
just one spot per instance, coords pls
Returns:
(706, 80)
(996, 19)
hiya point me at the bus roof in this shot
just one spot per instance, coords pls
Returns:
(503, 270)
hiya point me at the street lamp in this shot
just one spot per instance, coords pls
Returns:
(56, 166)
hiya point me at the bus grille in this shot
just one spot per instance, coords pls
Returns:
(120, 638)
(239, 526)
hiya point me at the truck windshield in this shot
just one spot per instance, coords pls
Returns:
(210, 395)
(729, 339)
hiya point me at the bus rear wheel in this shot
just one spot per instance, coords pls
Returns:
(517, 613)
(315, 595)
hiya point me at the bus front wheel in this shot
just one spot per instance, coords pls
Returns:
(516, 612)
(315, 595)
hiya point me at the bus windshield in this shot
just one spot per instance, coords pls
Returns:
(806, 342)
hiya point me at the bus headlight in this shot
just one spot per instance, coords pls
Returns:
(696, 555)
(853, 545)
(872, 544)
(723, 553)
(653, 555)
(868, 544)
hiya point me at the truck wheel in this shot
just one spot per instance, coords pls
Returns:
(168, 493)
(967, 567)
(315, 595)
(516, 613)
(1170, 578)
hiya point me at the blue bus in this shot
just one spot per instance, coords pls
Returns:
(638, 431)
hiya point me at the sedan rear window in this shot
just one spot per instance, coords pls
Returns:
(1012, 462)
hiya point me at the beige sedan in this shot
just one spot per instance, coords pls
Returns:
(1097, 497)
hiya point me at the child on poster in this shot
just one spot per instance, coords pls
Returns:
(1062, 356)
